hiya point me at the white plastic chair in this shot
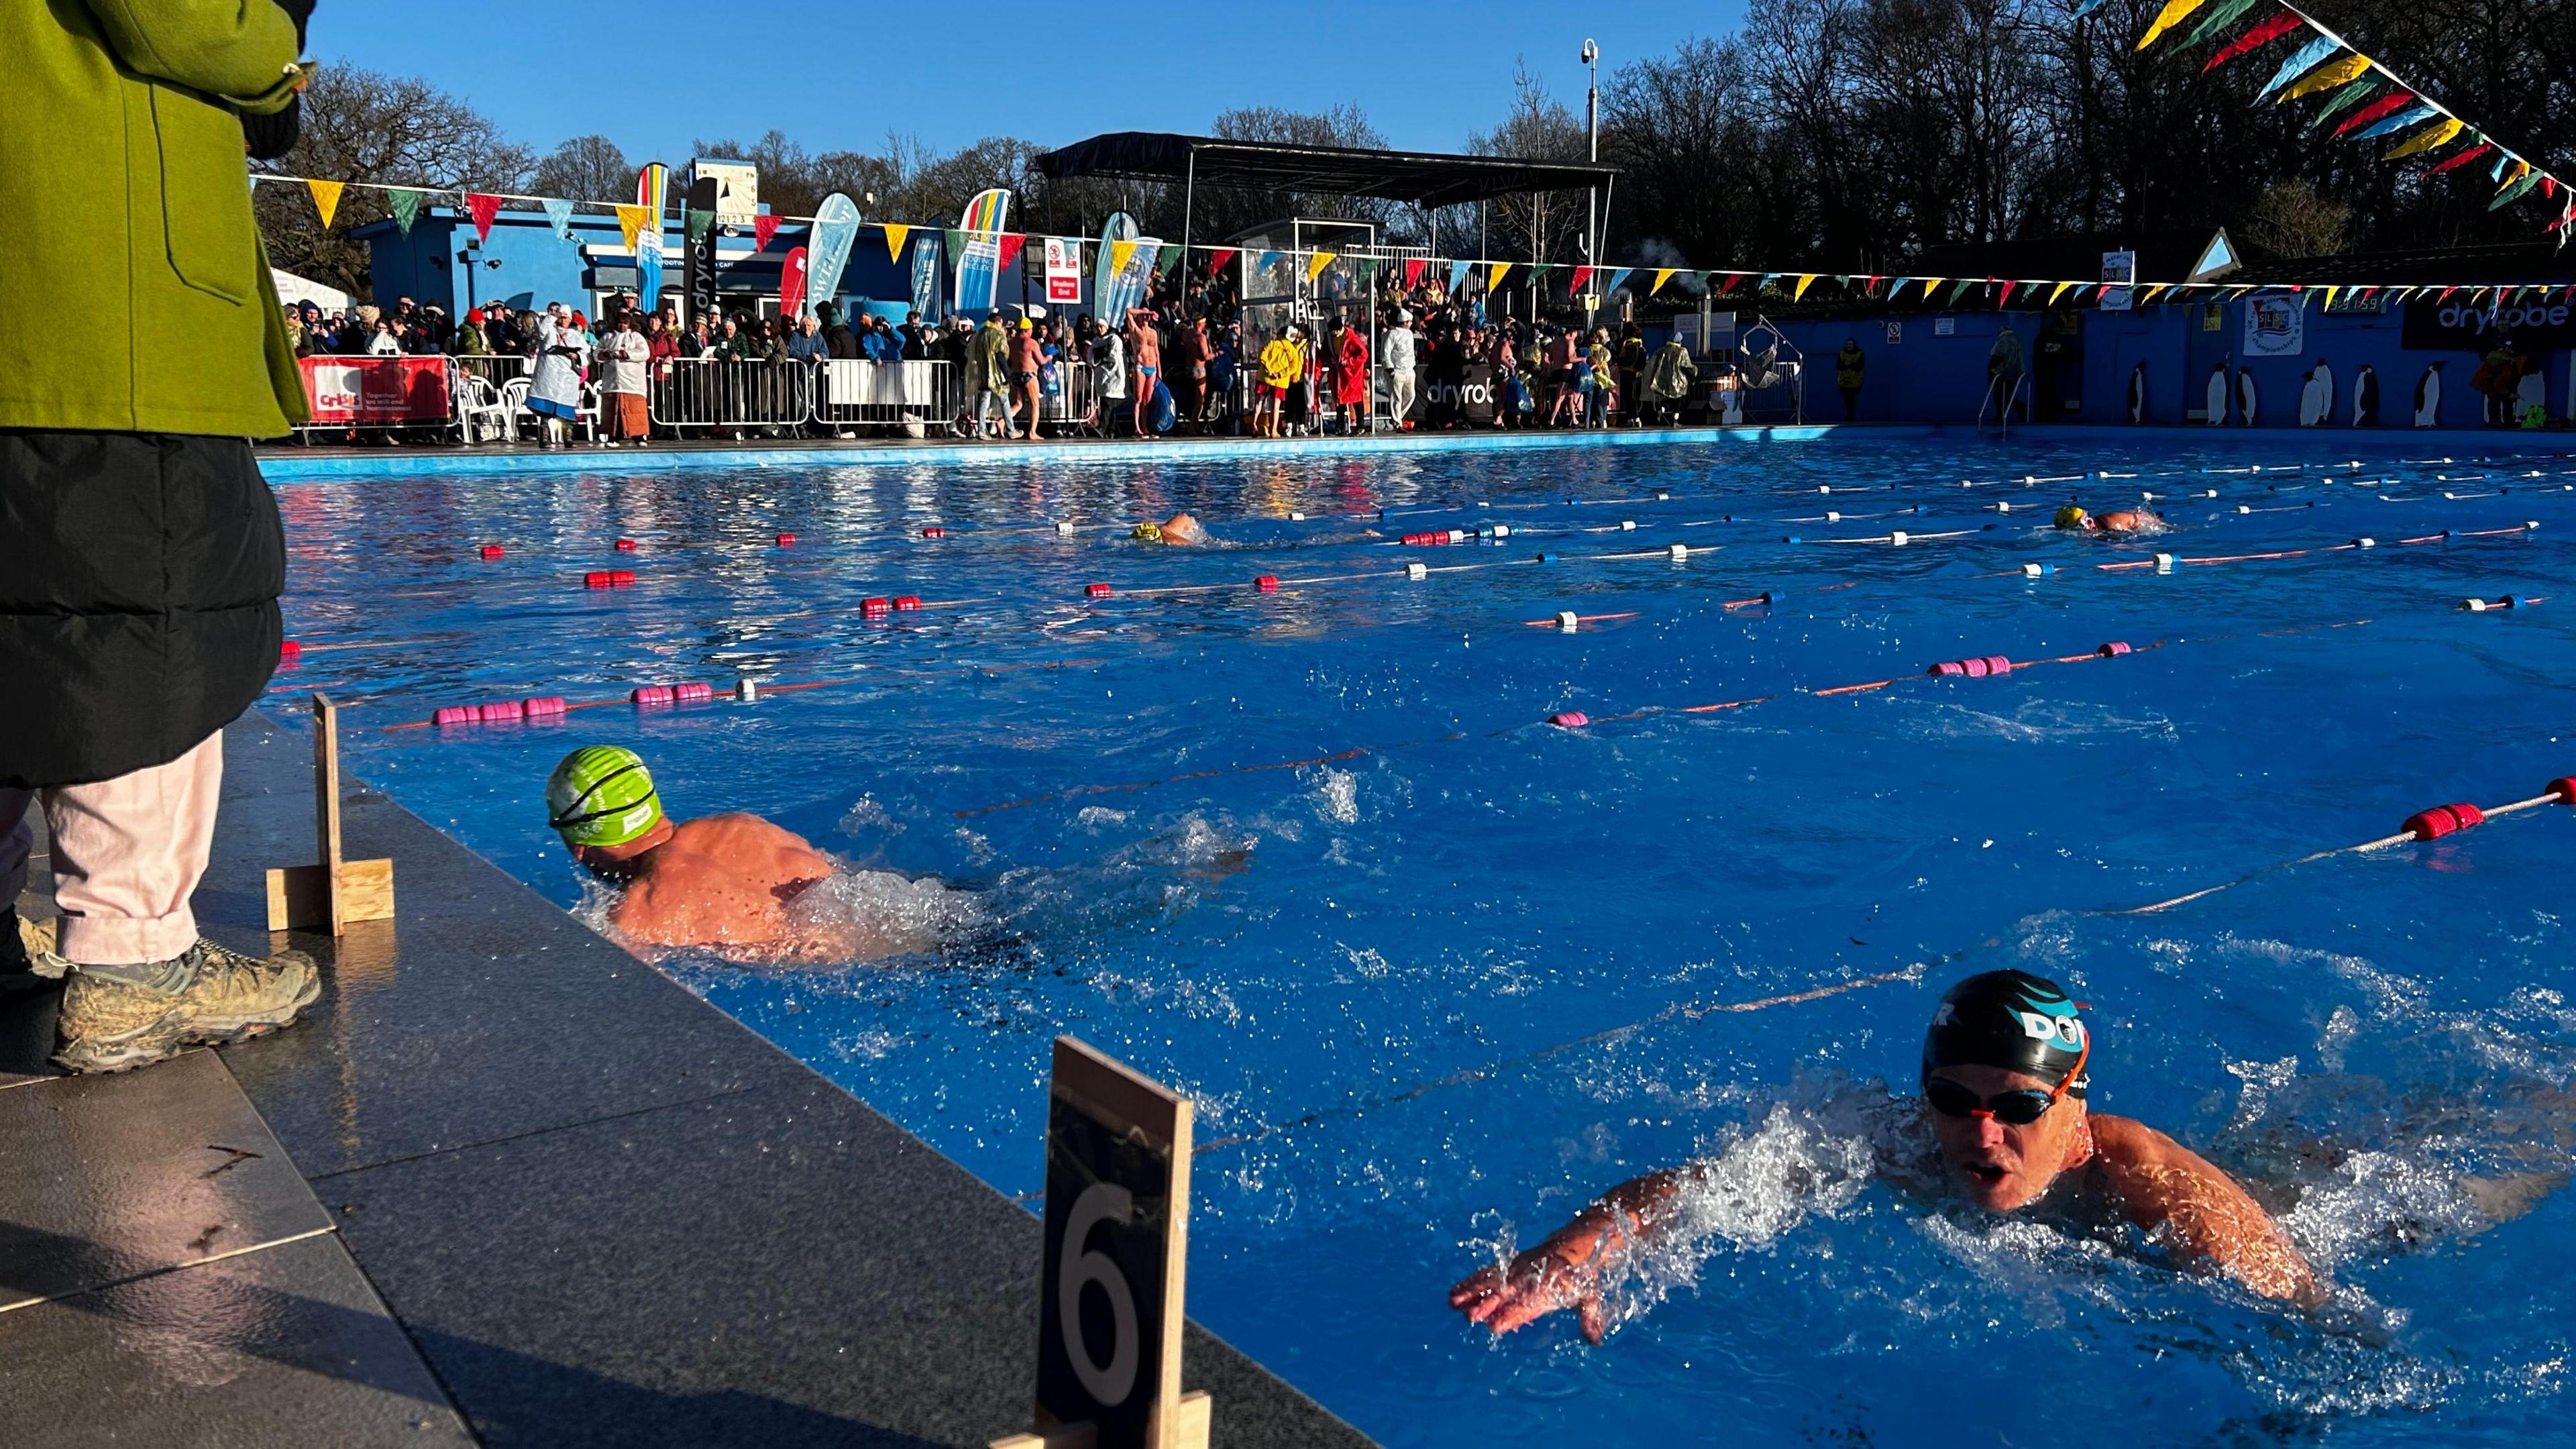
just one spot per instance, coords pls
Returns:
(481, 408)
(514, 402)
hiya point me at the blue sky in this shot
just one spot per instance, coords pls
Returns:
(843, 75)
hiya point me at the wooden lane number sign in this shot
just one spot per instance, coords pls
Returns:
(1117, 1239)
(335, 892)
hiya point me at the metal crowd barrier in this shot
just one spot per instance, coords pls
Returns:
(850, 392)
(718, 392)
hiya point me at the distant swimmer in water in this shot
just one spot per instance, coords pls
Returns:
(2004, 1080)
(732, 881)
(1180, 528)
(2118, 520)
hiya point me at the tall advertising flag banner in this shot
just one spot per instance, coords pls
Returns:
(836, 229)
(791, 283)
(652, 193)
(1063, 271)
(1117, 241)
(925, 278)
(980, 267)
(1133, 276)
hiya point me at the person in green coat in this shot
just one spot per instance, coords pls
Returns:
(988, 374)
(140, 552)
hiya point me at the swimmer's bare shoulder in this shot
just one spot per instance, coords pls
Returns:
(2195, 1208)
(722, 879)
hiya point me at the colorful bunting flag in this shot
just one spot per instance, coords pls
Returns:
(2060, 292)
(1896, 288)
(2398, 121)
(1220, 259)
(2006, 298)
(1007, 250)
(956, 239)
(1315, 265)
(2437, 134)
(405, 205)
(896, 234)
(1121, 252)
(1733, 280)
(1805, 280)
(2299, 63)
(326, 199)
(2516, 188)
(2352, 96)
(2087, 7)
(1957, 292)
(696, 222)
(559, 216)
(1929, 283)
(2174, 13)
(1414, 267)
(2254, 39)
(482, 206)
(1170, 257)
(1662, 275)
(1574, 283)
(763, 227)
(630, 222)
(2393, 101)
(1457, 276)
(2218, 20)
(1616, 277)
(2326, 77)
(1495, 273)
(1265, 261)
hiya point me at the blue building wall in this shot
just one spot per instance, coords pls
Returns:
(536, 267)
(1923, 377)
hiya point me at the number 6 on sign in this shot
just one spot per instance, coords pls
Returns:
(1117, 1239)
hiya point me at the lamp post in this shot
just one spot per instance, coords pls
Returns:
(1592, 136)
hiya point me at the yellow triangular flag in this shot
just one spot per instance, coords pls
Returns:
(2330, 296)
(326, 199)
(2062, 286)
(1930, 282)
(2327, 76)
(1662, 275)
(896, 234)
(2149, 294)
(1120, 251)
(2437, 134)
(1315, 264)
(2174, 13)
(630, 220)
(1494, 274)
(1805, 279)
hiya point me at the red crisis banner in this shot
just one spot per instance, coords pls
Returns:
(377, 391)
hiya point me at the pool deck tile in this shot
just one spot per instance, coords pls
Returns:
(113, 1177)
(284, 1346)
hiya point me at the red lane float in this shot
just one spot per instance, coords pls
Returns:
(626, 545)
(608, 578)
(785, 539)
(907, 603)
(493, 550)
(653, 694)
(934, 532)
(2112, 650)
(1570, 719)
(544, 706)
(1095, 591)
(1267, 583)
(1982, 668)
(1434, 538)
(288, 651)
(2443, 820)
(875, 608)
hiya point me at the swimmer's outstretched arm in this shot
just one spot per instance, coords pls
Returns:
(1566, 1270)
(2198, 1211)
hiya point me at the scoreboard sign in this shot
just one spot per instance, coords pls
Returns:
(1110, 1290)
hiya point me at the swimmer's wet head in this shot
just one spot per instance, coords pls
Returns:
(601, 799)
(2073, 517)
(2004, 1080)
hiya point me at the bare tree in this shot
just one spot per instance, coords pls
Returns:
(585, 168)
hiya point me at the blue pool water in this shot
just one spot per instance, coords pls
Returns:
(1305, 945)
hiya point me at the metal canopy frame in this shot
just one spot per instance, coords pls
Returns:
(1424, 178)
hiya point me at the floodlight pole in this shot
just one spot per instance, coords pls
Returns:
(1592, 134)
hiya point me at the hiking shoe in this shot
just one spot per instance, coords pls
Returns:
(18, 974)
(107, 1025)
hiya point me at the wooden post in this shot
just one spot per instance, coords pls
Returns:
(336, 891)
(1117, 1237)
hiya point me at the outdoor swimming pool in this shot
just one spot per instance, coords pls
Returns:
(1301, 947)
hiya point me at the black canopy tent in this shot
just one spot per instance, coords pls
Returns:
(1423, 178)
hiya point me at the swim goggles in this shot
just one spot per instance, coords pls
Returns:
(2018, 1108)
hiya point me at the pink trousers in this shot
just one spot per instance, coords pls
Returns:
(127, 855)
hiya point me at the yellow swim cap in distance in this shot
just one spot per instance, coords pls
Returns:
(602, 795)
(2070, 517)
(1149, 532)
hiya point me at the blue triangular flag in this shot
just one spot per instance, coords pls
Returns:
(1896, 287)
(2398, 122)
(1266, 262)
(2300, 64)
(2087, 7)
(559, 213)
(1457, 276)
(1616, 278)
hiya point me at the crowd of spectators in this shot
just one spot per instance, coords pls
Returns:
(1190, 360)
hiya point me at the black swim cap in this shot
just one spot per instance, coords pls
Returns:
(2012, 1020)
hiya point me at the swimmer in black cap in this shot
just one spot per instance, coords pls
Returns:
(2005, 1072)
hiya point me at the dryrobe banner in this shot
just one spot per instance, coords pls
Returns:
(925, 278)
(2535, 324)
(378, 392)
(979, 265)
(2274, 327)
(1063, 271)
(827, 251)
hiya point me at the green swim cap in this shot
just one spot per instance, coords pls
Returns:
(2070, 517)
(602, 795)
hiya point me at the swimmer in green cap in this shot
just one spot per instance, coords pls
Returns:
(2004, 1077)
(721, 881)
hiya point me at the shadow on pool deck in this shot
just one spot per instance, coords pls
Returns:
(502, 1165)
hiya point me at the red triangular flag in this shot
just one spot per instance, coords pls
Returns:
(2385, 105)
(1218, 259)
(763, 227)
(1413, 269)
(2464, 158)
(1581, 276)
(1012, 241)
(2008, 291)
(482, 208)
(2256, 38)
(1733, 280)
(2548, 186)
